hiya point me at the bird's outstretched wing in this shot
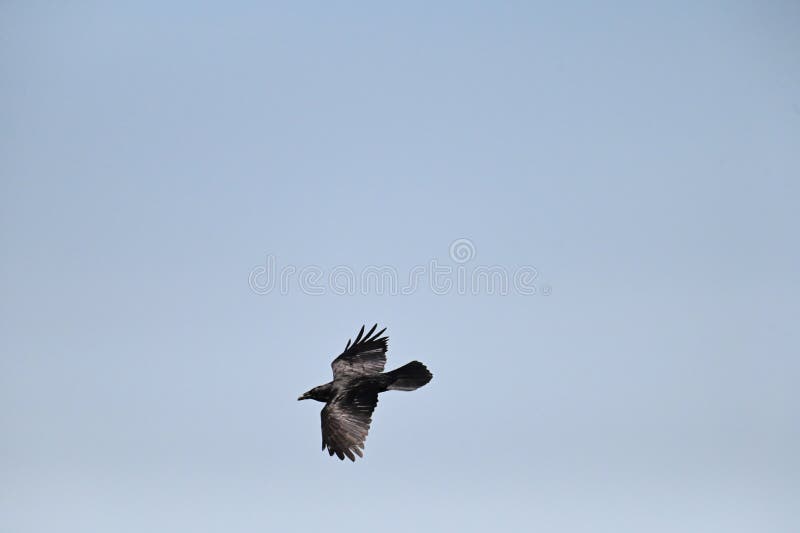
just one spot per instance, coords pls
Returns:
(345, 423)
(367, 355)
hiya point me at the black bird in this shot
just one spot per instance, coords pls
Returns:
(351, 397)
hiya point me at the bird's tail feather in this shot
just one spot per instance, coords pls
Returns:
(409, 377)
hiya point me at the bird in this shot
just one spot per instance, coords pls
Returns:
(351, 397)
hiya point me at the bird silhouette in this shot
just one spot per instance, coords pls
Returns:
(351, 397)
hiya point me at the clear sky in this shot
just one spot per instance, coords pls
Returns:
(643, 159)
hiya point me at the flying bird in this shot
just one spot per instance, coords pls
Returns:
(351, 397)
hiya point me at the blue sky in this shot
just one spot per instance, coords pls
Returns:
(639, 157)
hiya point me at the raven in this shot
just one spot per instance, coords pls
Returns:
(351, 397)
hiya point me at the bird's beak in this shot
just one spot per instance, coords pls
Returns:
(303, 397)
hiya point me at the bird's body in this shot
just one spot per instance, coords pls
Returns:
(351, 397)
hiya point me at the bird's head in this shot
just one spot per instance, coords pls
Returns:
(320, 394)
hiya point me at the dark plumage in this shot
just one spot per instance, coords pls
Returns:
(351, 397)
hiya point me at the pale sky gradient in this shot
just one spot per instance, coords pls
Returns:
(644, 159)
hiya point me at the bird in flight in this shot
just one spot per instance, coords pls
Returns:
(351, 397)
